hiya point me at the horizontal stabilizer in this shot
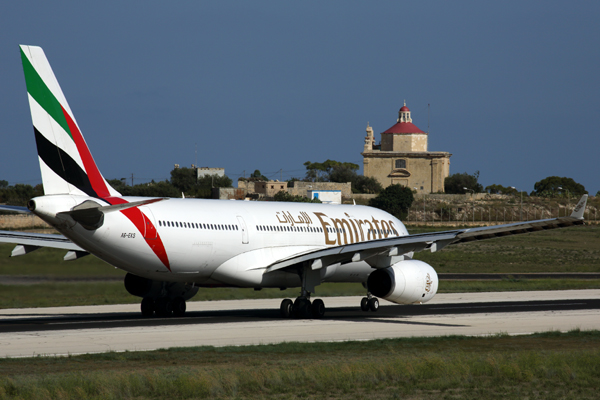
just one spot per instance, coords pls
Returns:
(16, 209)
(91, 215)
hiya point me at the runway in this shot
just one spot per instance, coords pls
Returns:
(93, 329)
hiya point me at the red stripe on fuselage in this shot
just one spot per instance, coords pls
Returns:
(137, 217)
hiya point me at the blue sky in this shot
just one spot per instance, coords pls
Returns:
(513, 86)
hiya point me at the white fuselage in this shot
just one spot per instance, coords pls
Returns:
(221, 242)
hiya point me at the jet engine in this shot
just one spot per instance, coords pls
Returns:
(406, 282)
(144, 287)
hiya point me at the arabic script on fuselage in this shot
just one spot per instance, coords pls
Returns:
(341, 231)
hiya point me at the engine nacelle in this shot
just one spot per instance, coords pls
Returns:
(144, 287)
(406, 282)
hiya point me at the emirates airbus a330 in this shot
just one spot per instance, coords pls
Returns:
(172, 247)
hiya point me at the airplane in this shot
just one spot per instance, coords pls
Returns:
(171, 247)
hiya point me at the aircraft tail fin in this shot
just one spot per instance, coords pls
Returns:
(66, 163)
(580, 207)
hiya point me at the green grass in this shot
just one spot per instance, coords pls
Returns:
(574, 249)
(97, 293)
(513, 285)
(546, 365)
(49, 262)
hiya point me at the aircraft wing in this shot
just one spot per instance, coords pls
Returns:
(27, 242)
(383, 253)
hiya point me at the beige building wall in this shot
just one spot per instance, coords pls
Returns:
(404, 143)
(302, 188)
(269, 188)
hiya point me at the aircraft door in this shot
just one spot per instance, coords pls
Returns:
(149, 226)
(243, 229)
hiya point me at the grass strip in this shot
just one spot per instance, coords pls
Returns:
(545, 365)
(574, 249)
(99, 293)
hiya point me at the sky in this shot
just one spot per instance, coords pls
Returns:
(512, 86)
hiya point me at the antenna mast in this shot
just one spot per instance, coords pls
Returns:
(428, 107)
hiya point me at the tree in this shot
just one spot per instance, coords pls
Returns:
(285, 196)
(455, 184)
(342, 175)
(550, 186)
(366, 184)
(321, 172)
(19, 194)
(148, 189)
(257, 176)
(394, 199)
(499, 189)
(184, 179)
(346, 172)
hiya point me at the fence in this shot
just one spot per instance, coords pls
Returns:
(492, 214)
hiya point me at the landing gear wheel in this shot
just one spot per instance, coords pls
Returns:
(164, 308)
(364, 304)
(147, 307)
(302, 307)
(179, 307)
(318, 309)
(286, 308)
(373, 304)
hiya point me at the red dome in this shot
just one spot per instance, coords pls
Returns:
(404, 108)
(404, 127)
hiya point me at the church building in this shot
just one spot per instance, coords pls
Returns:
(402, 157)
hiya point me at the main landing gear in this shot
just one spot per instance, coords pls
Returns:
(302, 308)
(163, 307)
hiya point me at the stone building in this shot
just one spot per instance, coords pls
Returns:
(265, 189)
(270, 188)
(402, 157)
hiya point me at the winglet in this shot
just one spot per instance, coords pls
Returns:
(580, 208)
